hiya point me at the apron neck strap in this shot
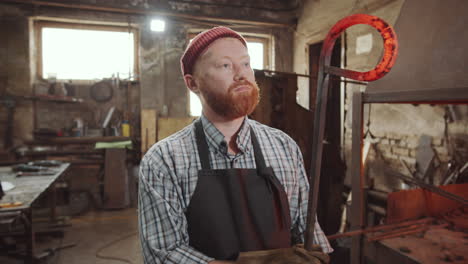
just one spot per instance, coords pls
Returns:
(259, 160)
(203, 150)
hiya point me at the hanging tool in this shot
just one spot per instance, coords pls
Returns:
(386, 63)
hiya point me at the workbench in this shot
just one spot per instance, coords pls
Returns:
(107, 166)
(437, 244)
(17, 202)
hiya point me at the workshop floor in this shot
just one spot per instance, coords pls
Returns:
(109, 234)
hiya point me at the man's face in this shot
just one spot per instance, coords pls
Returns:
(225, 80)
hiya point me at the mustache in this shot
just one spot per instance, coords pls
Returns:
(240, 83)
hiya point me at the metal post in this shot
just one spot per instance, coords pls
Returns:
(358, 208)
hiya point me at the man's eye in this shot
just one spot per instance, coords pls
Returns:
(226, 65)
(247, 64)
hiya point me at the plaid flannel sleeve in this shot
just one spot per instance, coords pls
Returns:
(300, 225)
(162, 222)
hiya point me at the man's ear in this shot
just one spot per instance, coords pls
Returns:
(191, 83)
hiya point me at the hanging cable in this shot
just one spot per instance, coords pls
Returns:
(101, 256)
(368, 131)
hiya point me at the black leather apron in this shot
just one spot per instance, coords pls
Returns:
(237, 210)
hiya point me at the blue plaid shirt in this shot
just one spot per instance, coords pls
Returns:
(168, 177)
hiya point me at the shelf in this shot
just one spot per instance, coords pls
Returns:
(56, 98)
(77, 140)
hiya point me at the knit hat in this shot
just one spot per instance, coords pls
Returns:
(201, 42)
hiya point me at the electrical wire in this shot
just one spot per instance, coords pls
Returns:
(101, 256)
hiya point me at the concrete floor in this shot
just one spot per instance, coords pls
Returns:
(111, 234)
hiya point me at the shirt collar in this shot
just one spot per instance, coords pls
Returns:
(215, 139)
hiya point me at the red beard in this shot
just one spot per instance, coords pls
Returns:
(233, 104)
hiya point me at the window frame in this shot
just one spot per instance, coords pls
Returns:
(266, 50)
(40, 24)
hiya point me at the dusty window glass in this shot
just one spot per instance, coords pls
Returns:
(86, 54)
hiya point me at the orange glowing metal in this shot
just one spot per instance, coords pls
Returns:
(390, 47)
(325, 70)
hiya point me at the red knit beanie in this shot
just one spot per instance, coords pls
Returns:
(201, 42)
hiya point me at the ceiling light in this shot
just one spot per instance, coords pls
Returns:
(158, 25)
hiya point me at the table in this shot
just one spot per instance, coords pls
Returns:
(439, 243)
(28, 189)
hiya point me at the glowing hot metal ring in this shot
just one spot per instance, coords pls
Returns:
(388, 59)
(390, 47)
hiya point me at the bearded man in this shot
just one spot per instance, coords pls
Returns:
(225, 189)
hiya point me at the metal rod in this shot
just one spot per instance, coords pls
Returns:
(325, 70)
(354, 82)
(381, 196)
(377, 209)
(281, 72)
(433, 96)
(408, 231)
(428, 187)
(358, 209)
(380, 228)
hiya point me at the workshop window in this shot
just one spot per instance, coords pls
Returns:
(258, 52)
(86, 52)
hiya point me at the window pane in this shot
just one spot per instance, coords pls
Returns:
(256, 62)
(86, 54)
(256, 54)
(195, 105)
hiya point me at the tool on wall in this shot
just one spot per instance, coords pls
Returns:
(102, 91)
(384, 66)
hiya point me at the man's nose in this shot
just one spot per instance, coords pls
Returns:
(239, 73)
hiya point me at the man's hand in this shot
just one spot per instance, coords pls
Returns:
(294, 255)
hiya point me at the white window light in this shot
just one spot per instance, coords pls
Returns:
(82, 54)
(158, 25)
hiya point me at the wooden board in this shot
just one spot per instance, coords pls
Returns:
(148, 129)
(116, 194)
(169, 125)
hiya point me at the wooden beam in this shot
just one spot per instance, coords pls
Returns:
(147, 12)
(148, 129)
(77, 140)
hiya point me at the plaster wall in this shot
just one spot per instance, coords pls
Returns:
(318, 17)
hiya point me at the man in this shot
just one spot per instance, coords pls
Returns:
(224, 185)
